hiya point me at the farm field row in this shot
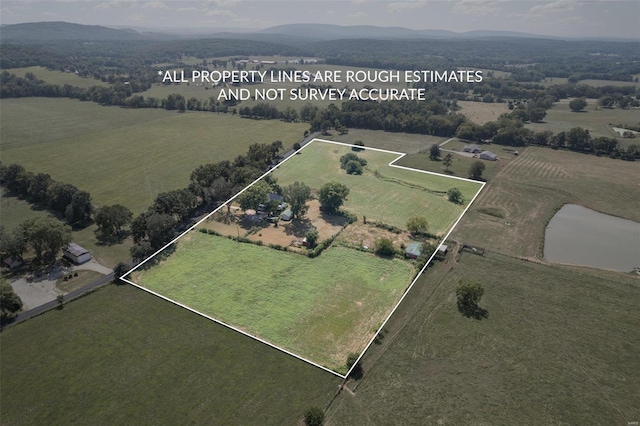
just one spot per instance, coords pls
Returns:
(549, 350)
(127, 162)
(142, 360)
(511, 213)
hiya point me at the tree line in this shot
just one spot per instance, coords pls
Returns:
(210, 185)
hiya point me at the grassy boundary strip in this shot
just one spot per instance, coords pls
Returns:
(391, 164)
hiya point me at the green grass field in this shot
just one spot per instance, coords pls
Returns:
(389, 199)
(533, 186)
(126, 156)
(321, 309)
(121, 355)
(410, 143)
(58, 77)
(559, 346)
(598, 121)
(13, 211)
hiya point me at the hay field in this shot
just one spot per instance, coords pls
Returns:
(559, 346)
(322, 309)
(126, 156)
(527, 192)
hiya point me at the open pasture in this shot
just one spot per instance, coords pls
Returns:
(599, 121)
(322, 309)
(58, 77)
(383, 193)
(410, 143)
(121, 355)
(460, 164)
(559, 346)
(524, 195)
(482, 112)
(127, 162)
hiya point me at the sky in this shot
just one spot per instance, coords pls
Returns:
(564, 18)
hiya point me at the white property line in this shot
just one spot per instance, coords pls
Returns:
(391, 164)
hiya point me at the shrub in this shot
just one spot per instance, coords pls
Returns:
(417, 224)
(353, 168)
(314, 416)
(312, 237)
(384, 247)
(455, 196)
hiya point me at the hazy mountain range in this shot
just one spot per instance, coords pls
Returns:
(290, 34)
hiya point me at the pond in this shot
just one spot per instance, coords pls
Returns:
(579, 236)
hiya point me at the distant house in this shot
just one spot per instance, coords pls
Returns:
(274, 197)
(76, 254)
(413, 250)
(488, 155)
(286, 215)
(472, 149)
(13, 263)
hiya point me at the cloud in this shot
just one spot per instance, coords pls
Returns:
(220, 12)
(118, 4)
(401, 6)
(359, 15)
(477, 8)
(557, 6)
(155, 5)
(186, 9)
(223, 3)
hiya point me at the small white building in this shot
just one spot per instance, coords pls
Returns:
(76, 254)
(488, 155)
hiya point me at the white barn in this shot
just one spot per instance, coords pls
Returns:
(488, 155)
(76, 254)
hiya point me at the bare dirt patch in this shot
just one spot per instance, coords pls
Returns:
(286, 233)
(364, 235)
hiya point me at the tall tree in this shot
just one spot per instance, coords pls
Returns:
(46, 236)
(434, 152)
(10, 302)
(255, 195)
(80, 208)
(297, 194)
(332, 195)
(476, 169)
(578, 104)
(447, 161)
(111, 220)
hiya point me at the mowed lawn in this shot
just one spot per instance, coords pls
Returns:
(559, 346)
(123, 356)
(321, 309)
(392, 198)
(126, 156)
